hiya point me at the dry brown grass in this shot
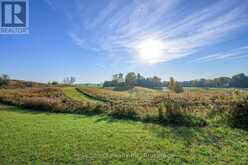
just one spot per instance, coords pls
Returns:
(136, 103)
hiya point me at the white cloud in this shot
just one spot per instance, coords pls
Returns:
(119, 25)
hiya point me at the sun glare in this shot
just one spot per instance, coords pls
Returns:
(151, 50)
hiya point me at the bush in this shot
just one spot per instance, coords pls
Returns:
(121, 88)
(55, 83)
(161, 113)
(123, 111)
(184, 119)
(176, 112)
(239, 115)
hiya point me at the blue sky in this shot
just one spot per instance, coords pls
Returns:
(93, 39)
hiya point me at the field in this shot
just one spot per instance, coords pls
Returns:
(34, 137)
(72, 93)
(92, 125)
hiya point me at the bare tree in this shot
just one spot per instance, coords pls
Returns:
(4, 79)
(69, 80)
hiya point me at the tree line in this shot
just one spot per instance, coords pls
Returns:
(132, 79)
(236, 81)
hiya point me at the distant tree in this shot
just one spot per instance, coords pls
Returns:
(118, 78)
(139, 76)
(115, 76)
(69, 80)
(222, 81)
(54, 83)
(239, 81)
(165, 83)
(5, 76)
(156, 81)
(178, 88)
(174, 86)
(4, 79)
(140, 79)
(131, 79)
(107, 84)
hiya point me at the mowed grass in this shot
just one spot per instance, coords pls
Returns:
(72, 93)
(31, 137)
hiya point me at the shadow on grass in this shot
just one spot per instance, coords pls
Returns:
(103, 117)
(12, 108)
(188, 135)
(185, 134)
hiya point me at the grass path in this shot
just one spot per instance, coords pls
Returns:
(31, 137)
(76, 95)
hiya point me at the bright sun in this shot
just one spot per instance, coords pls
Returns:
(151, 50)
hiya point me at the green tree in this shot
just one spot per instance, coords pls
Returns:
(156, 81)
(172, 84)
(131, 79)
(222, 81)
(239, 81)
(54, 83)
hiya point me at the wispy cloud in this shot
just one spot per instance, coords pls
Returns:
(118, 26)
(241, 52)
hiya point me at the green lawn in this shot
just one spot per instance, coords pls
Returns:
(72, 93)
(29, 137)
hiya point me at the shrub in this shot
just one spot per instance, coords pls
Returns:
(239, 115)
(123, 110)
(121, 88)
(176, 112)
(47, 99)
(184, 119)
(54, 83)
(160, 113)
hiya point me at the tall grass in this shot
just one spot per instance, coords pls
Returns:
(188, 108)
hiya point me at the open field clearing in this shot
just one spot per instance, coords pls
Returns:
(124, 82)
(34, 137)
(70, 125)
(73, 93)
(187, 108)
